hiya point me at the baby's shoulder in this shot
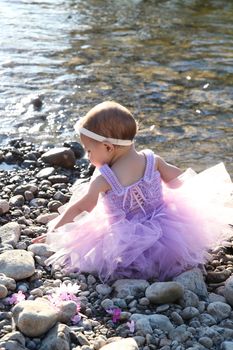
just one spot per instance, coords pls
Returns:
(99, 183)
(156, 157)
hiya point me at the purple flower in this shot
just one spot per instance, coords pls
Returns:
(16, 298)
(131, 326)
(116, 314)
(76, 319)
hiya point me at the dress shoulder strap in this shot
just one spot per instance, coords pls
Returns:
(111, 178)
(150, 164)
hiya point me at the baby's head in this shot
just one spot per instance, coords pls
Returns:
(111, 120)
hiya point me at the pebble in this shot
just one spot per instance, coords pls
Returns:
(17, 264)
(60, 156)
(4, 206)
(228, 290)
(103, 289)
(175, 315)
(10, 233)
(189, 312)
(164, 292)
(3, 291)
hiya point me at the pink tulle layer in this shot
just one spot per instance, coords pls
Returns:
(194, 216)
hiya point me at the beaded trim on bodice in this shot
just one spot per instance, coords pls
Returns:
(142, 197)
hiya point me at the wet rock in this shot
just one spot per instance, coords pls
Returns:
(37, 102)
(164, 292)
(10, 233)
(58, 338)
(17, 264)
(125, 287)
(123, 344)
(4, 206)
(193, 280)
(34, 317)
(63, 157)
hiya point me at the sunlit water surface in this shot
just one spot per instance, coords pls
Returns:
(169, 62)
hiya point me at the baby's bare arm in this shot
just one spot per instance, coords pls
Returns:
(167, 171)
(86, 203)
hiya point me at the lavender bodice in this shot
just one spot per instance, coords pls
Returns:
(142, 199)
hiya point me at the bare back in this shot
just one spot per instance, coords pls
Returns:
(130, 169)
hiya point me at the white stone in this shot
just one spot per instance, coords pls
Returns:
(34, 317)
(45, 218)
(40, 249)
(123, 344)
(10, 233)
(4, 206)
(17, 264)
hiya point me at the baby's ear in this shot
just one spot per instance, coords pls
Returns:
(109, 146)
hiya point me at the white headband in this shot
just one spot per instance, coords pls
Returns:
(100, 138)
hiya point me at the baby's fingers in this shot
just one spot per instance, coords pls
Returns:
(40, 239)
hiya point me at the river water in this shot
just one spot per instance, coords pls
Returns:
(169, 61)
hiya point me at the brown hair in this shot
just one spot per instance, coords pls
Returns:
(110, 119)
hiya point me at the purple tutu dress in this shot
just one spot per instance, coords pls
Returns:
(147, 230)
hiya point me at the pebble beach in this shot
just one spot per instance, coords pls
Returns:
(43, 308)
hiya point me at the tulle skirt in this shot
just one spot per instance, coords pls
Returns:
(194, 216)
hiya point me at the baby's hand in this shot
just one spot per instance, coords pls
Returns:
(40, 239)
